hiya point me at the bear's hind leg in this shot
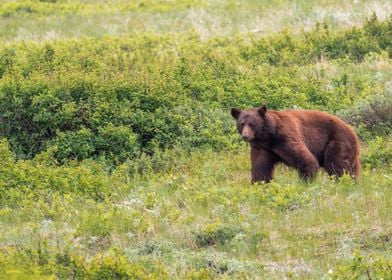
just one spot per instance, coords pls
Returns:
(339, 159)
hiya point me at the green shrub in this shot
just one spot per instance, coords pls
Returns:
(365, 267)
(207, 265)
(372, 116)
(98, 223)
(33, 177)
(215, 234)
(378, 153)
(67, 265)
(283, 197)
(200, 274)
(154, 247)
(116, 266)
(118, 98)
(75, 144)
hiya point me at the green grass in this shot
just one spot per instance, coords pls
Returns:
(43, 20)
(282, 229)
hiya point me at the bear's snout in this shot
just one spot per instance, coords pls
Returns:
(247, 134)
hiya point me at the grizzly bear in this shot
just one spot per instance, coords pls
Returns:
(303, 139)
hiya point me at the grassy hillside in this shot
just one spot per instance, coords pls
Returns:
(199, 217)
(119, 158)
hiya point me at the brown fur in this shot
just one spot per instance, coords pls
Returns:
(303, 139)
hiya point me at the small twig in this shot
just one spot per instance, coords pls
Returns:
(368, 273)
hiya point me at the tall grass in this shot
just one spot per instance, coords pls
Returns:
(36, 20)
(201, 215)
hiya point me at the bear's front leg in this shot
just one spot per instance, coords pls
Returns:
(298, 156)
(262, 162)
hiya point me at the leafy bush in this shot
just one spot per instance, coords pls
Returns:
(215, 234)
(207, 265)
(98, 224)
(117, 98)
(378, 153)
(365, 267)
(75, 144)
(283, 197)
(372, 116)
(66, 265)
(116, 266)
(33, 177)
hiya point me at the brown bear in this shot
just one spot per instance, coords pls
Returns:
(303, 139)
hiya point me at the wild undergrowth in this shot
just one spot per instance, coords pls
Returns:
(117, 98)
(198, 217)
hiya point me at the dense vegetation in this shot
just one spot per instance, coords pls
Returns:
(119, 157)
(119, 97)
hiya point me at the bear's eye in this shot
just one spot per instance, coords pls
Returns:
(252, 125)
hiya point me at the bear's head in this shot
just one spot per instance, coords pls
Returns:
(250, 122)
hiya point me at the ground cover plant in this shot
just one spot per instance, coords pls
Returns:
(119, 158)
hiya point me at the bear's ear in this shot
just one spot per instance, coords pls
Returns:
(262, 110)
(235, 112)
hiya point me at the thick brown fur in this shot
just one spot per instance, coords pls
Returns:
(303, 139)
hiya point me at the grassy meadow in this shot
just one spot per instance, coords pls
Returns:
(119, 158)
(51, 19)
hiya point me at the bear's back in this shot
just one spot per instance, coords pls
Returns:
(316, 129)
